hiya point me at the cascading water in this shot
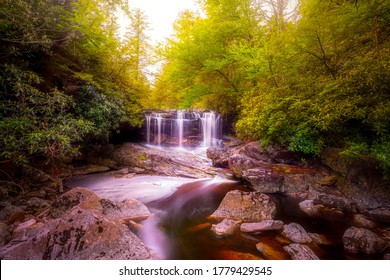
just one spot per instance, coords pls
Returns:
(183, 128)
(180, 126)
(210, 126)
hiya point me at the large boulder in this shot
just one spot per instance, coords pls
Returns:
(83, 226)
(300, 252)
(79, 234)
(246, 206)
(362, 240)
(239, 163)
(296, 233)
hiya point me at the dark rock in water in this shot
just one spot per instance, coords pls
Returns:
(269, 252)
(11, 214)
(360, 220)
(266, 225)
(320, 211)
(5, 234)
(380, 214)
(321, 239)
(311, 209)
(386, 257)
(335, 201)
(362, 240)
(245, 206)
(296, 233)
(224, 228)
(300, 252)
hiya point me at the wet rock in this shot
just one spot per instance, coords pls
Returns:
(219, 156)
(11, 214)
(386, 257)
(245, 206)
(224, 228)
(300, 252)
(296, 233)
(360, 220)
(270, 252)
(267, 225)
(335, 201)
(320, 239)
(328, 181)
(79, 234)
(5, 234)
(130, 209)
(362, 240)
(380, 214)
(311, 209)
(72, 198)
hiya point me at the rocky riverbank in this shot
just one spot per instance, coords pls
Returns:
(39, 222)
(350, 190)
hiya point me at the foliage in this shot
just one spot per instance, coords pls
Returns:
(66, 75)
(306, 77)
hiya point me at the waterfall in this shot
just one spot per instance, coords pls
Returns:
(159, 119)
(148, 122)
(183, 128)
(180, 126)
(210, 126)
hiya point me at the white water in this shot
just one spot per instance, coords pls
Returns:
(180, 126)
(210, 126)
(183, 129)
(148, 121)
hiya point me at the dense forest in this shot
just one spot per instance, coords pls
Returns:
(305, 74)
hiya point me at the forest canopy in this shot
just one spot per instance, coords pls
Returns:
(306, 74)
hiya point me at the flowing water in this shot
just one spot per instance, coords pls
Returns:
(180, 225)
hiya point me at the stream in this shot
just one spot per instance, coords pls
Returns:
(180, 225)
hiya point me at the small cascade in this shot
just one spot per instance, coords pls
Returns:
(211, 126)
(183, 128)
(148, 122)
(180, 126)
(159, 121)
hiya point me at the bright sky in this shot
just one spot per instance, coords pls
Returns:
(161, 14)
